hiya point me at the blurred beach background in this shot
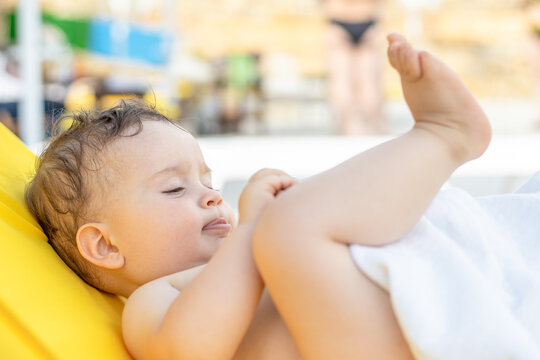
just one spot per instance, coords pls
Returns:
(249, 77)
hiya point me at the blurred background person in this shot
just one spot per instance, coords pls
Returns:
(353, 38)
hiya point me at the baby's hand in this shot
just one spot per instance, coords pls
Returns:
(261, 189)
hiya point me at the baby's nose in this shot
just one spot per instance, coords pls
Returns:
(212, 198)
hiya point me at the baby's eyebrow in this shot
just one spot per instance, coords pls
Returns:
(170, 169)
(179, 169)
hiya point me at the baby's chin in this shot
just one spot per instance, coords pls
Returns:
(216, 244)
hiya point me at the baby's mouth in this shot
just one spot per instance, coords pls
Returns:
(219, 224)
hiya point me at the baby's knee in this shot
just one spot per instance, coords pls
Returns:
(273, 235)
(265, 230)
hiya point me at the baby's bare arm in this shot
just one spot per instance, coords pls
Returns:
(210, 315)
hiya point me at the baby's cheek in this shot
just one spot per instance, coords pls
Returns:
(231, 215)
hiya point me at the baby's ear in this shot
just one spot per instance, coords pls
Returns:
(95, 246)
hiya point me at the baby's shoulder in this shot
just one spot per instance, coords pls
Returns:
(146, 307)
(153, 292)
(143, 312)
(148, 294)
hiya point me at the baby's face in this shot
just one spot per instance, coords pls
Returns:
(162, 212)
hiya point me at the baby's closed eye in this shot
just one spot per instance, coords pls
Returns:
(175, 190)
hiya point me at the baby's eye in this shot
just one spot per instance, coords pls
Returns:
(211, 187)
(176, 190)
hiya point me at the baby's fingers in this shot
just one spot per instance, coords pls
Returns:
(266, 172)
(281, 182)
(273, 180)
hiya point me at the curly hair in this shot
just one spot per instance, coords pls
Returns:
(64, 192)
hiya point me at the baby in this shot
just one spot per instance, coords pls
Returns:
(126, 199)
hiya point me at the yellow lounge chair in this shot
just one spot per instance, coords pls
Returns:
(46, 311)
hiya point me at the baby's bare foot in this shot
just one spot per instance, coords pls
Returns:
(439, 101)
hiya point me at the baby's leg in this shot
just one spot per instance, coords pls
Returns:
(301, 242)
(330, 308)
(378, 196)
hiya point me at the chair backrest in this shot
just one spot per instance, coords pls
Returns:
(46, 311)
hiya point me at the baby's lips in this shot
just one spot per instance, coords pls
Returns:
(218, 224)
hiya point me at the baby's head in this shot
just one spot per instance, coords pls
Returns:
(125, 197)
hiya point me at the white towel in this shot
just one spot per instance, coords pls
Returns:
(465, 282)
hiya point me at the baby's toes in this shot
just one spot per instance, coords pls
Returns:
(393, 55)
(411, 69)
(404, 59)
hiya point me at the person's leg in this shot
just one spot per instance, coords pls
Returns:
(375, 198)
(368, 82)
(340, 53)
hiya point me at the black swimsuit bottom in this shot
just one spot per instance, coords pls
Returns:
(356, 30)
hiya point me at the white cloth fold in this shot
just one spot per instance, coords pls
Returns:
(465, 282)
